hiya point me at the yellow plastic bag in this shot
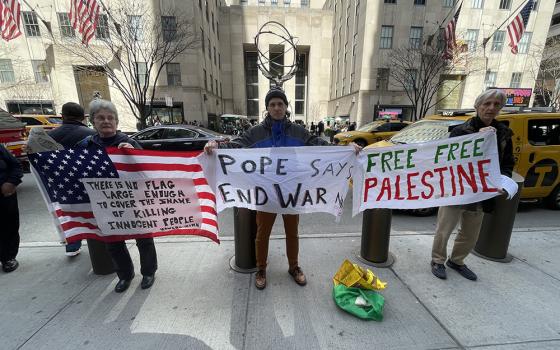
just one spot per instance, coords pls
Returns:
(352, 275)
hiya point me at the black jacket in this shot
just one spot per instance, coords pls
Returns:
(70, 133)
(113, 141)
(10, 168)
(505, 151)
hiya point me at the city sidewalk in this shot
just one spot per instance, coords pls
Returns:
(198, 302)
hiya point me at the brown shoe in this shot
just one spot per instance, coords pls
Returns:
(260, 279)
(298, 276)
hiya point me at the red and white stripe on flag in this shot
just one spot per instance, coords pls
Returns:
(78, 222)
(10, 15)
(449, 35)
(84, 15)
(517, 26)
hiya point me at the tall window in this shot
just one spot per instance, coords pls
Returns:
(202, 40)
(471, 38)
(274, 2)
(209, 51)
(386, 37)
(490, 79)
(102, 29)
(211, 83)
(505, 4)
(390, 1)
(30, 23)
(476, 4)
(382, 83)
(169, 26)
(523, 45)
(173, 74)
(205, 80)
(215, 57)
(66, 29)
(141, 73)
(220, 60)
(40, 71)
(261, 2)
(135, 27)
(287, 3)
(419, 2)
(243, 2)
(213, 24)
(304, 3)
(498, 41)
(415, 37)
(6, 71)
(516, 79)
(410, 78)
(252, 84)
(301, 82)
(448, 3)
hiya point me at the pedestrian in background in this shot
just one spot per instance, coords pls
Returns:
(487, 106)
(72, 131)
(11, 173)
(105, 120)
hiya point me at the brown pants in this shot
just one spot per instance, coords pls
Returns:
(448, 218)
(265, 221)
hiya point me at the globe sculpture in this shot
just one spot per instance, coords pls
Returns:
(277, 66)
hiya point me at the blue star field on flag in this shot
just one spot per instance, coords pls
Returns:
(61, 171)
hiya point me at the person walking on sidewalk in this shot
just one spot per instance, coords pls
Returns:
(104, 117)
(72, 131)
(11, 173)
(487, 106)
(276, 130)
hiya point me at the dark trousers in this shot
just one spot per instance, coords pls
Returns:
(123, 263)
(9, 232)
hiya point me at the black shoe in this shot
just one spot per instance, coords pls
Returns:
(439, 270)
(147, 281)
(122, 285)
(462, 269)
(10, 265)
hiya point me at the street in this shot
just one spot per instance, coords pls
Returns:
(37, 226)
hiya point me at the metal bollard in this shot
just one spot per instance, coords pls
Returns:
(376, 231)
(495, 233)
(244, 232)
(101, 261)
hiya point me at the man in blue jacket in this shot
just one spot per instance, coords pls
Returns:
(72, 131)
(11, 173)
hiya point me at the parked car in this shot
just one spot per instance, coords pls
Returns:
(177, 137)
(371, 132)
(47, 122)
(536, 148)
(12, 136)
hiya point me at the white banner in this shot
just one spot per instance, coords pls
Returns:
(453, 171)
(131, 207)
(283, 180)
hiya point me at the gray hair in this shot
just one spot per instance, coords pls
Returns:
(491, 93)
(99, 104)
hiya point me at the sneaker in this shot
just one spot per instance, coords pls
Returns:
(72, 253)
(10, 265)
(439, 270)
(462, 269)
(298, 276)
(260, 279)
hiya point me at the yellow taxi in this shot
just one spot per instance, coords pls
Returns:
(536, 147)
(47, 122)
(371, 132)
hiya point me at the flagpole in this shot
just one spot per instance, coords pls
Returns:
(452, 10)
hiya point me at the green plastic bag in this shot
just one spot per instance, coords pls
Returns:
(369, 306)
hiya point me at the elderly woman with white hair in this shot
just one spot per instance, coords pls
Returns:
(104, 117)
(488, 106)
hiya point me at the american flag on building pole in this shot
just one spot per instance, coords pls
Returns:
(449, 35)
(10, 16)
(84, 15)
(517, 26)
(60, 173)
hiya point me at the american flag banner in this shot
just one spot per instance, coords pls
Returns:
(517, 26)
(64, 172)
(449, 35)
(10, 16)
(84, 15)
